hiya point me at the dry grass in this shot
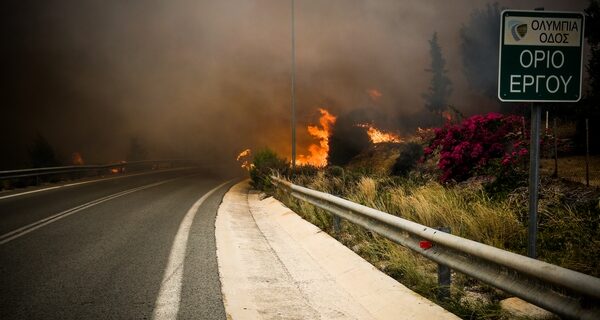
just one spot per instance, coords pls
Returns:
(378, 159)
(573, 168)
(468, 212)
(470, 215)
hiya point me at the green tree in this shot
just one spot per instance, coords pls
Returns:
(41, 154)
(479, 49)
(440, 85)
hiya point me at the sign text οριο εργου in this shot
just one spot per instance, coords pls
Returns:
(548, 59)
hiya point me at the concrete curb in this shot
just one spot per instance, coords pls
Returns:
(273, 264)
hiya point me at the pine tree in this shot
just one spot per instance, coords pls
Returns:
(440, 85)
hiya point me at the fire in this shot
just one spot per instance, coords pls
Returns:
(243, 154)
(379, 136)
(374, 94)
(76, 159)
(318, 152)
(244, 157)
(119, 169)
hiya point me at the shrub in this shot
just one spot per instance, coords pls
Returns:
(335, 171)
(493, 144)
(266, 162)
(408, 158)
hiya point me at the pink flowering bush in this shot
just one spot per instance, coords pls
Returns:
(491, 144)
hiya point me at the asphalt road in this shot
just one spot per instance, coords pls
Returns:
(108, 250)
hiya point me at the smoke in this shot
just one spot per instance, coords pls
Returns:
(347, 139)
(207, 79)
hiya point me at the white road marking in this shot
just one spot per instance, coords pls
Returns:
(33, 191)
(169, 296)
(38, 224)
(86, 182)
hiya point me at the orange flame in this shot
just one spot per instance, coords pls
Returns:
(243, 154)
(119, 169)
(246, 164)
(379, 136)
(76, 159)
(374, 94)
(318, 152)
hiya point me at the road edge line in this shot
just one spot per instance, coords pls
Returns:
(166, 305)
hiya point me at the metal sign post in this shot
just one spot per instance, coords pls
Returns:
(534, 178)
(540, 61)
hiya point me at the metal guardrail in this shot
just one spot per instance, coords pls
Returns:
(562, 291)
(37, 172)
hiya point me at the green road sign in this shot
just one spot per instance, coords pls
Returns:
(540, 56)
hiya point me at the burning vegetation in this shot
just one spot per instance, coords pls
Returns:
(243, 154)
(379, 136)
(244, 158)
(347, 135)
(318, 152)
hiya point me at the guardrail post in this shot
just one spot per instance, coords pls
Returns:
(444, 275)
(336, 222)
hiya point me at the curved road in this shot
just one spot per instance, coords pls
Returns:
(139, 247)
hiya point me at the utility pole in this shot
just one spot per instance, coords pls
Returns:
(293, 91)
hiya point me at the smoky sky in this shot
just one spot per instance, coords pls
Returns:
(207, 79)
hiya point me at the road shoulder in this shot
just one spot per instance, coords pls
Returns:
(274, 264)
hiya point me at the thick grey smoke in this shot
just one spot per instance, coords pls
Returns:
(207, 79)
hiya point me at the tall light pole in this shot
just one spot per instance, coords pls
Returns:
(293, 91)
